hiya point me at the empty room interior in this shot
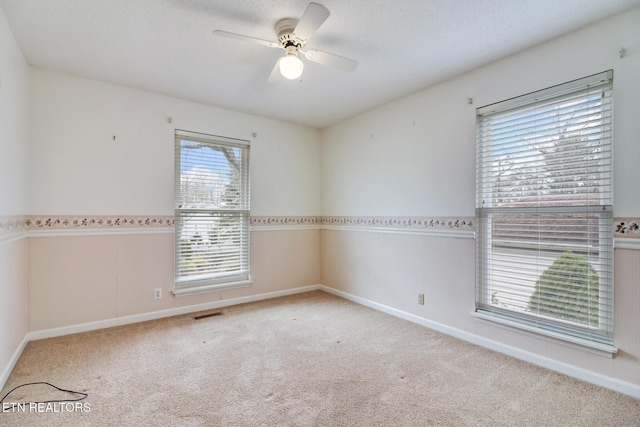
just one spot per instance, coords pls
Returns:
(446, 176)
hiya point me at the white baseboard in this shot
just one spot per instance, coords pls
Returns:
(136, 318)
(12, 362)
(545, 362)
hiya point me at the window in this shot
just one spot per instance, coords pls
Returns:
(211, 212)
(544, 211)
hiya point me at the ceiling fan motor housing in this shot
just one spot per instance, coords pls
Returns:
(286, 37)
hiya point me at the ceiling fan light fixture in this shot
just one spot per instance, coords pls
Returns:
(291, 66)
(293, 35)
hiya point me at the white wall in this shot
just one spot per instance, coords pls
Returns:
(407, 158)
(13, 196)
(13, 124)
(76, 167)
(416, 157)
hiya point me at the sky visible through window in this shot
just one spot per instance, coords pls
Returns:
(205, 174)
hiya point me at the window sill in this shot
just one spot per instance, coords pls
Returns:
(581, 344)
(200, 289)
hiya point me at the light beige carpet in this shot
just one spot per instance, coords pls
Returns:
(306, 360)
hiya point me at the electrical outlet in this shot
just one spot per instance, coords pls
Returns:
(157, 293)
(421, 299)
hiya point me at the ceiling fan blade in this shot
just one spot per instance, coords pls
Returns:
(275, 73)
(330, 59)
(313, 17)
(262, 42)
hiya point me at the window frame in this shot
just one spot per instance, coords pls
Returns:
(209, 216)
(600, 337)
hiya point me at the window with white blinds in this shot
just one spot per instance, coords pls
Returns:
(544, 196)
(211, 212)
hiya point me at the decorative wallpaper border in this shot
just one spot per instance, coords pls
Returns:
(627, 227)
(624, 227)
(266, 221)
(98, 222)
(413, 223)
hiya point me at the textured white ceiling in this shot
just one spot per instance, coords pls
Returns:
(166, 46)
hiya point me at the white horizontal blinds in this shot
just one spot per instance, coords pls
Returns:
(211, 247)
(544, 217)
(212, 210)
(545, 277)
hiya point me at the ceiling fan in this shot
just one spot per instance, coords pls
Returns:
(293, 35)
